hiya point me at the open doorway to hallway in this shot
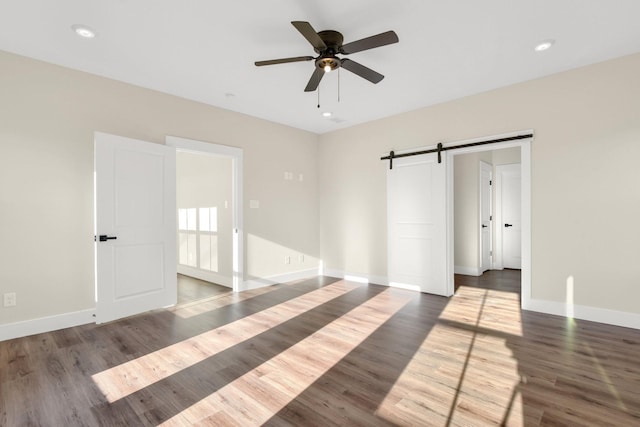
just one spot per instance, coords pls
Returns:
(204, 191)
(487, 214)
(210, 212)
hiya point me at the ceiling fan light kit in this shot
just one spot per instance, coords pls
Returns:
(328, 44)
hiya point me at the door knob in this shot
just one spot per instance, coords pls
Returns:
(484, 226)
(508, 225)
(104, 238)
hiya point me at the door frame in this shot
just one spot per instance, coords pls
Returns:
(525, 171)
(484, 166)
(201, 147)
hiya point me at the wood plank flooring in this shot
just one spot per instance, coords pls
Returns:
(325, 352)
(191, 289)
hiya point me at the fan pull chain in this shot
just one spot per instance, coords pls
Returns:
(338, 84)
(318, 96)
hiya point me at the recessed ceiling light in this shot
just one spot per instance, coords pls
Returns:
(544, 45)
(326, 114)
(83, 31)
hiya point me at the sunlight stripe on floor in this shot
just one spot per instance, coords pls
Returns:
(271, 383)
(129, 377)
(191, 309)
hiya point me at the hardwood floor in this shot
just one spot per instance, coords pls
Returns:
(193, 290)
(325, 352)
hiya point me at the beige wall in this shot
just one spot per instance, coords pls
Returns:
(585, 192)
(47, 118)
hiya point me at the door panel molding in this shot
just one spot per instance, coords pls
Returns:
(416, 215)
(505, 256)
(134, 204)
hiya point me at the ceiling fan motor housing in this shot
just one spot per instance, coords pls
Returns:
(333, 40)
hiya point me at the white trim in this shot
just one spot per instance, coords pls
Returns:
(583, 312)
(592, 314)
(261, 282)
(525, 171)
(357, 277)
(468, 271)
(497, 247)
(46, 324)
(525, 217)
(207, 276)
(485, 167)
(199, 147)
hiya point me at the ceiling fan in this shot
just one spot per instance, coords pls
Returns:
(327, 45)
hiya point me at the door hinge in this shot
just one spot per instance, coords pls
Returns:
(490, 217)
(490, 182)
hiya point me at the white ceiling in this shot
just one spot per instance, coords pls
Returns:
(204, 50)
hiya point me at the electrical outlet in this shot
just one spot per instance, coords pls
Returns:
(10, 299)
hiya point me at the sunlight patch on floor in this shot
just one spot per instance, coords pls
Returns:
(270, 385)
(606, 379)
(130, 377)
(194, 308)
(498, 303)
(456, 366)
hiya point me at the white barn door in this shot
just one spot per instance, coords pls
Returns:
(135, 192)
(416, 215)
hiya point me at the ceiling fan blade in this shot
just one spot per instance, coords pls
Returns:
(362, 71)
(314, 81)
(378, 40)
(284, 60)
(310, 34)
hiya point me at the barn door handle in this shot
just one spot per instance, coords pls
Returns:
(508, 225)
(104, 238)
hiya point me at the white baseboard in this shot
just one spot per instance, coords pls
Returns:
(357, 277)
(83, 317)
(592, 314)
(46, 324)
(261, 282)
(207, 276)
(467, 271)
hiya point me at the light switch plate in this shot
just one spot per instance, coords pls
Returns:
(10, 299)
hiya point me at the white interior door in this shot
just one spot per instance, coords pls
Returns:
(416, 212)
(135, 212)
(510, 218)
(485, 216)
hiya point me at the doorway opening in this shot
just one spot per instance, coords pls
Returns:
(467, 237)
(420, 199)
(209, 211)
